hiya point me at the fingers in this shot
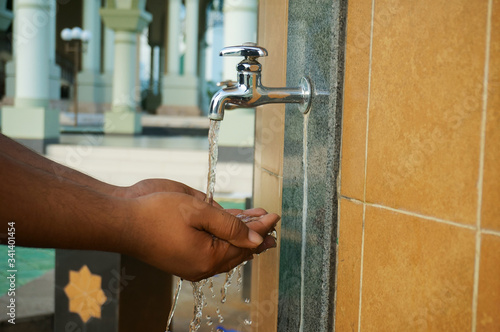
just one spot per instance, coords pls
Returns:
(226, 257)
(227, 227)
(255, 212)
(268, 243)
(264, 224)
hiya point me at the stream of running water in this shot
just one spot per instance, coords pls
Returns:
(200, 300)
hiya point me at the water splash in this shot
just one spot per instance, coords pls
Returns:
(199, 297)
(213, 156)
(227, 283)
(174, 304)
(199, 303)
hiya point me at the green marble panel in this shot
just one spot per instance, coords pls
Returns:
(316, 37)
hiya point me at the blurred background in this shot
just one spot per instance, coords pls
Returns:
(120, 90)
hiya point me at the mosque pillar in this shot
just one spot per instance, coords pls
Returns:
(90, 87)
(31, 120)
(126, 19)
(180, 87)
(109, 58)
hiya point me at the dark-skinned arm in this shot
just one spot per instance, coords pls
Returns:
(175, 232)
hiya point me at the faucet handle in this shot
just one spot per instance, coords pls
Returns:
(248, 50)
(227, 83)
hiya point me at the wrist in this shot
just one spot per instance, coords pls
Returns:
(128, 211)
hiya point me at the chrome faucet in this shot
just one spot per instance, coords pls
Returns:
(248, 91)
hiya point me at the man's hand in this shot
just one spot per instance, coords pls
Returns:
(185, 236)
(152, 186)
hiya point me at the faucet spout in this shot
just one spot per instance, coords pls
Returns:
(225, 99)
(249, 92)
(253, 94)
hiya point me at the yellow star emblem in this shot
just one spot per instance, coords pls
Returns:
(85, 293)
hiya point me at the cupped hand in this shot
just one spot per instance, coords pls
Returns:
(185, 236)
(151, 186)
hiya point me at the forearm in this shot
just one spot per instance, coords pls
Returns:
(24, 155)
(50, 212)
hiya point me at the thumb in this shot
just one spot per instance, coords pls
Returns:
(227, 227)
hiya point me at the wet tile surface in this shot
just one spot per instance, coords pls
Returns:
(424, 128)
(268, 167)
(491, 182)
(417, 274)
(265, 273)
(308, 241)
(488, 307)
(355, 99)
(348, 266)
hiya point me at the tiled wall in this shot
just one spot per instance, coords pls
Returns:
(419, 229)
(268, 171)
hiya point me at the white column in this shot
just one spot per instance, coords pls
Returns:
(52, 31)
(30, 118)
(174, 30)
(90, 90)
(109, 50)
(191, 59)
(92, 23)
(126, 21)
(55, 70)
(238, 13)
(180, 93)
(109, 59)
(31, 42)
(124, 80)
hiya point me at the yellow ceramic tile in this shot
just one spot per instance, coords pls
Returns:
(425, 106)
(417, 274)
(491, 182)
(269, 137)
(348, 266)
(269, 130)
(355, 99)
(265, 267)
(488, 308)
(267, 190)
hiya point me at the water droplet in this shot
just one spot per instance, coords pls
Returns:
(247, 322)
(247, 300)
(209, 323)
(221, 319)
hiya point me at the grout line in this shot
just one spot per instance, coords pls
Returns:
(305, 158)
(352, 200)
(366, 166)
(413, 214)
(271, 172)
(490, 232)
(482, 143)
(361, 268)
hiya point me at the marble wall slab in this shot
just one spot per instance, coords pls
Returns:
(316, 39)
